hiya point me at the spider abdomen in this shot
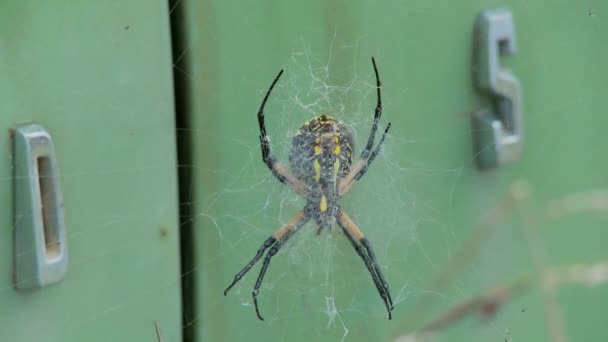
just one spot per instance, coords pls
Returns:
(320, 156)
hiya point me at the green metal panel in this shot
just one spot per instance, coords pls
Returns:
(98, 76)
(423, 200)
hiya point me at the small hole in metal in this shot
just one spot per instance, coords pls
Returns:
(48, 205)
(503, 46)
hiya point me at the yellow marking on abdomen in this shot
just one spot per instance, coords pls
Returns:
(337, 150)
(323, 204)
(317, 167)
(317, 149)
(336, 168)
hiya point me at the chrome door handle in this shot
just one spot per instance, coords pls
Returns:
(41, 255)
(498, 133)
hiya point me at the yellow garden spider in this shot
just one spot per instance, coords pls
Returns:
(321, 172)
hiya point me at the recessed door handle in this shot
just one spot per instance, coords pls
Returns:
(41, 254)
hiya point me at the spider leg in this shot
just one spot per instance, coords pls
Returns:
(364, 249)
(367, 155)
(271, 252)
(361, 167)
(273, 244)
(377, 115)
(268, 243)
(277, 169)
(368, 248)
(373, 155)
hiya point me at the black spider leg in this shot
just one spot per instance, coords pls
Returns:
(365, 243)
(268, 159)
(268, 243)
(273, 244)
(373, 155)
(271, 252)
(258, 283)
(372, 267)
(377, 114)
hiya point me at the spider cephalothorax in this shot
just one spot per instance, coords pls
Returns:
(321, 172)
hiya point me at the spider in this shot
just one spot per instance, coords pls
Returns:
(321, 172)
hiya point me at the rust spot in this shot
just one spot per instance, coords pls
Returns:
(163, 232)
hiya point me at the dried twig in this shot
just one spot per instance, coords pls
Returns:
(488, 303)
(469, 250)
(580, 202)
(536, 246)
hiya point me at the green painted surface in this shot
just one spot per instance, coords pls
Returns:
(98, 76)
(423, 197)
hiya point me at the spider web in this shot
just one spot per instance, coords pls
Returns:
(314, 270)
